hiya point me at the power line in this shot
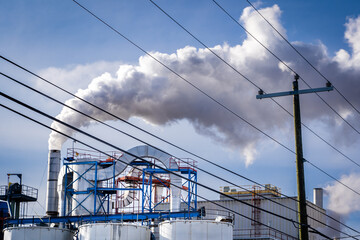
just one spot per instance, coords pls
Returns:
(115, 147)
(126, 152)
(307, 61)
(144, 142)
(199, 157)
(58, 120)
(118, 130)
(122, 150)
(106, 154)
(168, 67)
(179, 76)
(206, 160)
(238, 200)
(123, 120)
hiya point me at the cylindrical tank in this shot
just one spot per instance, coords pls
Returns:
(82, 184)
(195, 230)
(37, 233)
(113, 231)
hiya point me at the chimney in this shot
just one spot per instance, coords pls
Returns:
(52, 197)
(318, 197)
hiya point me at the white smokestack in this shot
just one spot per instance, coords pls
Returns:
(52, 199)
(318, 197)
(175, 198)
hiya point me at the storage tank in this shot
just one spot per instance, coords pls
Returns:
(195, 230)
(113, 231)
(37, 233)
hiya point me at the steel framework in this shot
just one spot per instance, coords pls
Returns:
(146, 184)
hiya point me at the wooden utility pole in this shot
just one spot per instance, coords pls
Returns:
(303, 228)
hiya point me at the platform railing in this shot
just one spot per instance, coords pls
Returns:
(25, 190)
(29, 191)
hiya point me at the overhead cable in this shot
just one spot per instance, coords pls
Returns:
(184, 79)
(144, 142)
(160, 167)
(182, 149)
(127, 39)
(170, 172)
(127, 122)
(253, 192)
(199, 196)
(129, 153)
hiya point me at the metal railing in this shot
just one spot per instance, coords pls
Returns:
(29, 191)
(185, 163)
(251, 189)
(3, 190)
(25, 190)
(213, 214)
(77, 153)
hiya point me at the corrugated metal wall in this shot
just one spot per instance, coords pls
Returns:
(243, 229)
(243, 226)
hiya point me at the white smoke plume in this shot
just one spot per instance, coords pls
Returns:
(149, 91)
(342, 200)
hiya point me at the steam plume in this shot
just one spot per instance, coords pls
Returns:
(151, 92)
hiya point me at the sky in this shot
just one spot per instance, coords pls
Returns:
(61, 42)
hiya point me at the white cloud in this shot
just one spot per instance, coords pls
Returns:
(341, 199)
(352, 35)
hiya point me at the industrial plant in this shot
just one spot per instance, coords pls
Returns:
(146, 194)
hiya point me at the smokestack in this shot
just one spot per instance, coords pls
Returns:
(52, 197)
(318, 197)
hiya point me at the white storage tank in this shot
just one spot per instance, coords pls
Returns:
(37, 233)
(113, 231)
(195, 230)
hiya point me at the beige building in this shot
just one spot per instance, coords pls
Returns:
(244, 228)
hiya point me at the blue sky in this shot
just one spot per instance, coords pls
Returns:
(61, 42)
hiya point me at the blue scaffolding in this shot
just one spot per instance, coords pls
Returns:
(189, 185)
(102, 195)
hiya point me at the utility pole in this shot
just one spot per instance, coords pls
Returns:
(303, 228)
